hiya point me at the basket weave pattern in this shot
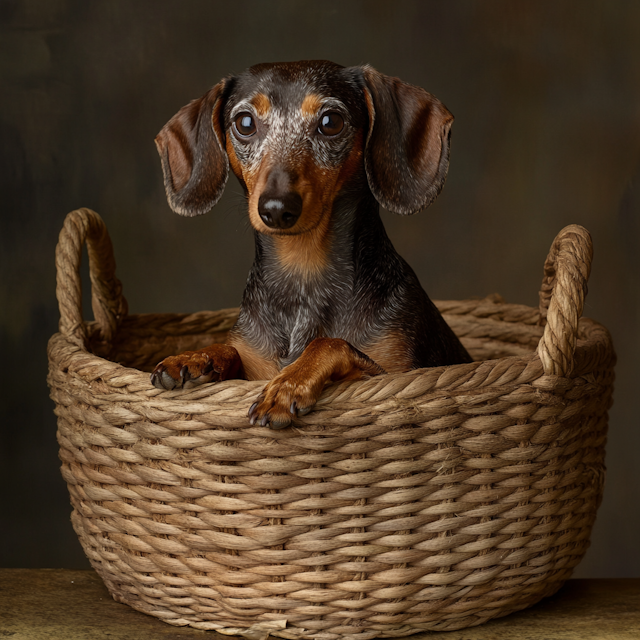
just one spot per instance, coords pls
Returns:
(430, 500)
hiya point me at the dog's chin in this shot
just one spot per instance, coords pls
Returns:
(300, 228)
(284, 233)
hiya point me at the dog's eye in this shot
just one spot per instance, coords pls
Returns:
(244, 125)
(331, 124)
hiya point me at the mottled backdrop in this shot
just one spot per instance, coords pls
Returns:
(546, 96)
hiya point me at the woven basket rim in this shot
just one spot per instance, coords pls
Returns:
(593, 346)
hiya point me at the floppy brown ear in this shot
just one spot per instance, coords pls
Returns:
(407, 151)
(191, 147)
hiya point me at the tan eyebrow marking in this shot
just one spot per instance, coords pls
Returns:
(261, 103)
(311, 104)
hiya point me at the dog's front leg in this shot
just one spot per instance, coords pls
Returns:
(192, 368)
(295, 390)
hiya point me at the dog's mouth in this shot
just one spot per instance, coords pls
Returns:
(300, 227)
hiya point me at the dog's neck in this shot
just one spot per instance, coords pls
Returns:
(329, 254)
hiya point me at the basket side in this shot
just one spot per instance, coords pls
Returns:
(349, 526)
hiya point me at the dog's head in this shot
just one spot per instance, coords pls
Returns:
(297, 134)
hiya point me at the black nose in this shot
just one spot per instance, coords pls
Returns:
(281, 212)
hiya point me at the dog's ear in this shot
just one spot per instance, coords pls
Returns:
(191, 147)
(407, 149)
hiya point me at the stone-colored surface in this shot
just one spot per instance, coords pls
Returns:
(58, 604)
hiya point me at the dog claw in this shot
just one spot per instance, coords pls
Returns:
(266, 420)
(295, 410)
(167, 381)
(155, 381)
(208, 368)
(184, 375)
(160, 379)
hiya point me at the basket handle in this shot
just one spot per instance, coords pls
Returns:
(108, 304)
(564, 287)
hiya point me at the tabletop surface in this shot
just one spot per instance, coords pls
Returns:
(61, 604)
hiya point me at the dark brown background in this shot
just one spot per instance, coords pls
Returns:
(547, 102)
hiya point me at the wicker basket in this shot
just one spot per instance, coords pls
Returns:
(430, 500)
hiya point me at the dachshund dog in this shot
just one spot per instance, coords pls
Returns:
(316, 147)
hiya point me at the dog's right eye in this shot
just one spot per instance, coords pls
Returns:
(244, 125)
(331, 124)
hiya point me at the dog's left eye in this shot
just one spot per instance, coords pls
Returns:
(331, 124)
(244, 125)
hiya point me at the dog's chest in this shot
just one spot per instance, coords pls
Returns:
(280, 317)
(309, 310)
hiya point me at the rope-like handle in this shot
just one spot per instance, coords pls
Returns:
(564, 287)
(108, 303)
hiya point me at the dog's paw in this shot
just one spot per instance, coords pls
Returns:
(296, 389)
(193, 368)
(283, 399)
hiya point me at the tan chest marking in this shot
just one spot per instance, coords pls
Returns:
(391, 352)
(254, 365)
